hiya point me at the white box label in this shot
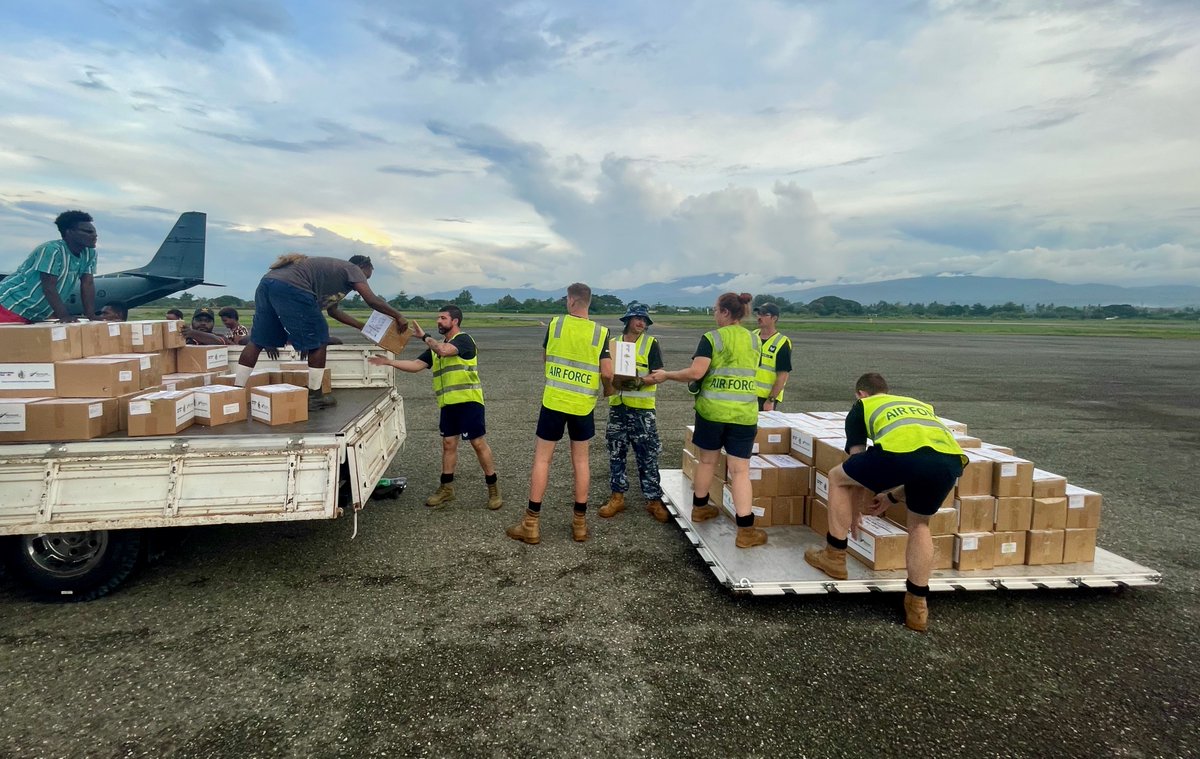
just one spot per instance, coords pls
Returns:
(774, 437)
(377, 326)
(203, 409)
(138, 408)
(95, 410)
(137, 337)
(26, 376)
(864, 544)
(802, 443)
(185, 409)
(231, 408)
(12, 417)
(1008, 548)
(755, 473)
(217, 359)
(58, 333)
(147, 329)
(145, 362)
(1075, 502)
(970, 543)
(172, 326)
(754, 448)
(260, 407)
(822, 486)
(758, 511)
(125, 376)
(114, 330)
(1008, 470)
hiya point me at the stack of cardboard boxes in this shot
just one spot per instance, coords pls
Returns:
(1003, 511)
(63, 382)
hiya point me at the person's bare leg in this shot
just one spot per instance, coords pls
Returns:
(706, 464)
(483, 452)
(249, 355)
(919, 560)
(449, 454)
(581, 468)
(543, 454)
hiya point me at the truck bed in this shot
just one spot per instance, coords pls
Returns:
(778, 568)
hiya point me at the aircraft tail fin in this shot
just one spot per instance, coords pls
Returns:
(182, 252)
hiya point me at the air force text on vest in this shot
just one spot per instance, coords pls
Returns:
(570, 375)
(736, 384)
(899, 411)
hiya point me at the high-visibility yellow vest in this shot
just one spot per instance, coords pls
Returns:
(643, 397)
(766, 364)
(456, 380)
(573, 364)
(902, 425)
(727, 392)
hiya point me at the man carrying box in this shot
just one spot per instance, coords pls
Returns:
(915, 459)
(36, 290)
(455, 364)
(288, 305)
(775, 358)
(631, 421)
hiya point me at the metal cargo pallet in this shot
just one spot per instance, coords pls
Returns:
(778, 568)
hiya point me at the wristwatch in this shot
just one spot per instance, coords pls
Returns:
(773, 400)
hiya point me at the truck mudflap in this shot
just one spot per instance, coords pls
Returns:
(778, 568)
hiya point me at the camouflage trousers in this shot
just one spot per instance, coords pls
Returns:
(637, 428)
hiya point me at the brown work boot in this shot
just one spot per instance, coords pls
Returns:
(495, 500)
(748, 537)
(319, 402)
(916, 613)
(657, 510)
(443, 495)
(701, 513)
(527, 530)
(579, 529)
(613, 506)
(830, 560)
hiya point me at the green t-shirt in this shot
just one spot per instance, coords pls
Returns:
(21, 292)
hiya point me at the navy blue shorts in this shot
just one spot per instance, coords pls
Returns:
(463, 419)
(736, 439)
(579, 428)
(284, 313)
(927, 475)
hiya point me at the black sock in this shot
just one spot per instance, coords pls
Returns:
(581, 508)
(699, 500)
(535, 506)
(447, 478)
(835, 543)
(491, 479)
(744, 521)
(920, 591)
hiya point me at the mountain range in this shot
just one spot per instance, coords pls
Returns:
(702, 289)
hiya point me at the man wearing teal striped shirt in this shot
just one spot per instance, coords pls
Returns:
(38, 289)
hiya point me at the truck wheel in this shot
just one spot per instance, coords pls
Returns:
(74, 566)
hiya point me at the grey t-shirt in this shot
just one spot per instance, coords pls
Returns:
(330, 279)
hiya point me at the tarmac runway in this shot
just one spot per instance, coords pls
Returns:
(433, 634)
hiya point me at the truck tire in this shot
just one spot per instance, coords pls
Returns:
(73, 566)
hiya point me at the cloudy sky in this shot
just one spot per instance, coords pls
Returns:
(536, 143)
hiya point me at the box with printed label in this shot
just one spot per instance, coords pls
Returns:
(1011, 476)
(1083, 507)
(183, 381)
(974, 550)
(999, 448)
(943, 551)
(202, 358)
(804, 441)
(624, 358)
(821, 486)
(1049, 514)
(817, 516)
(258, 378)
(1048, 484)
(173, 334)
(14, 419)
(100, 377)
(943, 522)
(1044, 547)
(1079, 545)
(299, 378)
(828, 453)
(772, 439)
(1010, 548)
(123, 404)
(40, 343)
(976, 478)
(1015, 513)
(689, 465)
(279, 404)
(27, 380)
(148, 336)
(795, 477)
(149, 367)
(62, 419)
(879, 544)
(166, 412)
(220, 404)
(381, 330)
(764, 477)
(975, 513)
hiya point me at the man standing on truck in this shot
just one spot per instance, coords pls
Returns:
(455, 364)
(775, 358)
(577, 369)
(914, 460)
(288, 305)
(38, 289)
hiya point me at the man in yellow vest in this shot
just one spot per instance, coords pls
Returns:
(914, 460)
(455, 364)
(775, 362)
(577, 372)
(631, 421)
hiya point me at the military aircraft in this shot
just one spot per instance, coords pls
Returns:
(178, 265)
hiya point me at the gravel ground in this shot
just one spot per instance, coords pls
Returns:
(432, 634)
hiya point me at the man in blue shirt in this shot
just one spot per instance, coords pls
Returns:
(37, 289)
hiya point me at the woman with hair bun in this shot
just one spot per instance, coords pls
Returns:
(725, 365)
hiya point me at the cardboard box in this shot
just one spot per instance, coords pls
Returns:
(148, 336)
(976, 478)
(821, 486)
(624, 358)
(829, 453)
(1083, 507)
(27, 380)
(120, 338)
(279, 404)
(880, 544)
(958, 428)
(149, 367)
(184, 381)
(40, 343)
(974, 550)
(168, 362)
(1049, 514)
(795, 477)
(63, 419)
(14, 418)
(999, 448)
(943, 551)
(967, 441)
(381, 330)
(1079, 545)
(1012, 514)
(1011, 476)
(1044, 547)
(166, 412)
(764, 477)
(93, 338)
(944, 522)
(202, 358)
(689, 465)
(299, 378)
(976, 513)
(100, 377)
(789, 510)
(220, 404)
(817, 516)
(804, 441)
(173, 334)
(1048, 484)
(761, 508)
(1010, 548)
(123, 404)
(773, 440)
(258, 378)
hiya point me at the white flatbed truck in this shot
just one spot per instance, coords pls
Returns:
(75, 518)
(778, 568)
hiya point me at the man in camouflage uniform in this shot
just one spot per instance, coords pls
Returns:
(631, 421)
